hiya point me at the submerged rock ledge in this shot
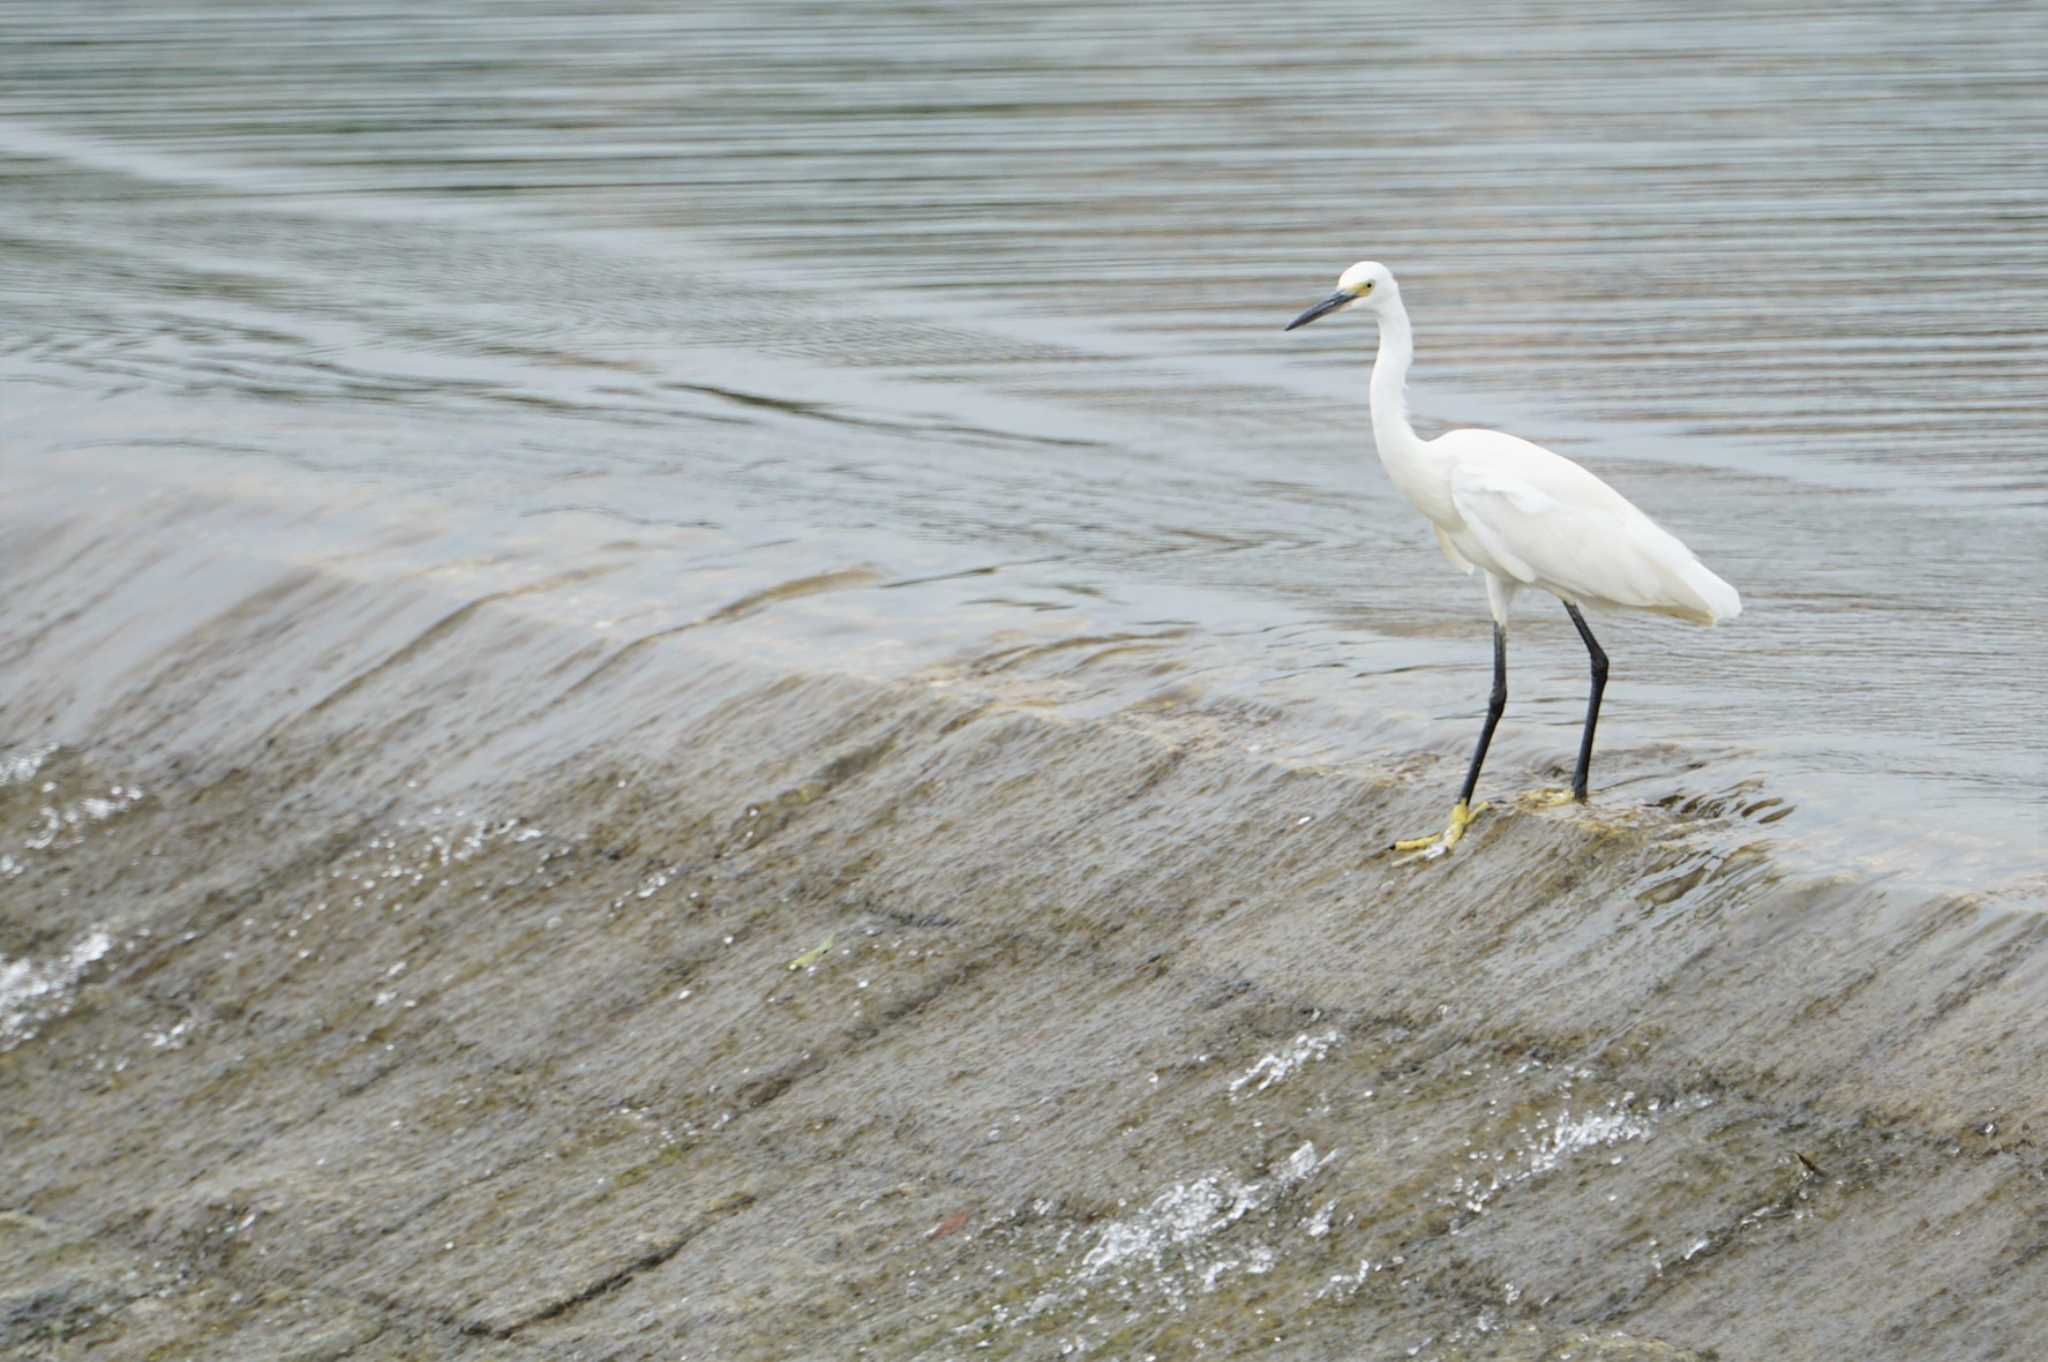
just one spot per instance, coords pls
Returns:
(396, 974)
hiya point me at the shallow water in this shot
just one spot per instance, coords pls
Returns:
(713, 669)
(985, 307)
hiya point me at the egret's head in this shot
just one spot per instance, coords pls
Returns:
(1367, 282)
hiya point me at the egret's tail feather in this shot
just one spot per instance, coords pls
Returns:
(1707, 599)
(1722, 601)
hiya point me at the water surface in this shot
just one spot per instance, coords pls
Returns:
(974, 314)
(702, 680)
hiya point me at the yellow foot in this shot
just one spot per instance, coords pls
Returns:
(1545, 799)
(1429, 848)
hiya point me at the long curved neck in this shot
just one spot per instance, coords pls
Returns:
(1419, 473)
(1390, 428)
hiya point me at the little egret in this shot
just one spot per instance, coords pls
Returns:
(1525, 517)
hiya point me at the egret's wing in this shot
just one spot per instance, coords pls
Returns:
(1458, 560)
(1554, 525)
(1507, 516)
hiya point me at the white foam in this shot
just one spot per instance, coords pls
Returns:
(33, 993)
(1167, 1246)
(19, 768)
(1556, 1144)
(1278, 1067)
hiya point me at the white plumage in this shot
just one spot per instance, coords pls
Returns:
(1523, 516)
(1537, 519)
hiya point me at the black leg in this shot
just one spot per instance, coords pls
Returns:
(1592, 705)
(1493, 711)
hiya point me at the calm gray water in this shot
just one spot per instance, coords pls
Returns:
(701, 680)
(970, 316)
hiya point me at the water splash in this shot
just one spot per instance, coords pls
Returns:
(63, 825)
(1560, 1140)
(1278, 1067)
(1176, 1245)
(19, 768)
(32, 994)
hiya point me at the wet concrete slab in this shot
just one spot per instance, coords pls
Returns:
(838, 1017)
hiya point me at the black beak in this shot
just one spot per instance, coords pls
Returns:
(1328, 305)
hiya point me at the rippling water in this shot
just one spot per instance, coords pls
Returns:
(969, 316)
(464, 468)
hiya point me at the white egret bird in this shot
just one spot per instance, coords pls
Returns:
(1526, 518)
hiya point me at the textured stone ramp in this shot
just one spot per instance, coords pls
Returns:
(456, 1002)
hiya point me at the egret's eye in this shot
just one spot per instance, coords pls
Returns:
(1365, 288)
